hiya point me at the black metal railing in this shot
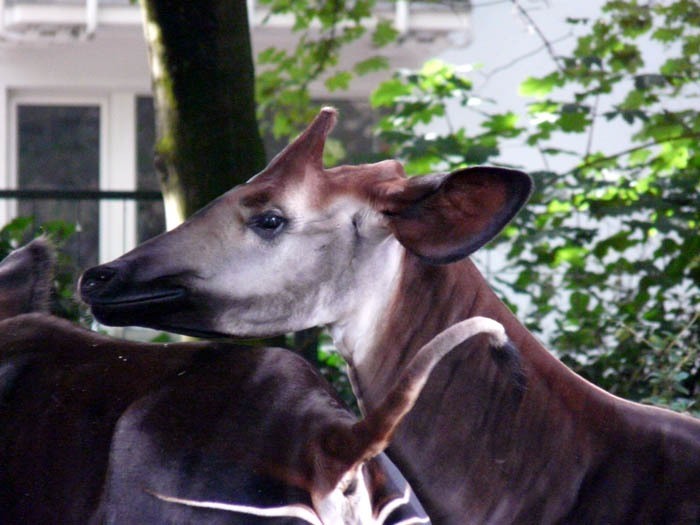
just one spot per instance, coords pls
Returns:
(85, 195)
(81, 207)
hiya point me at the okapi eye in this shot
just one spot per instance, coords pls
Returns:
(267, 225)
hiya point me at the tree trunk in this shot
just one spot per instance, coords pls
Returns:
(207, 137)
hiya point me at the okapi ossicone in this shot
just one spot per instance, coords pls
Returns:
(99, 430)
(381, 260)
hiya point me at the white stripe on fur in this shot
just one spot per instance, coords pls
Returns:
(299, 511)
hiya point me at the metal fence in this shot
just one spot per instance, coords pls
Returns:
(81, 195)
(82, 209)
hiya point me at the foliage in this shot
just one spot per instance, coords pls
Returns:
(608, 251)
(284, 76)
(19, 231)
(416, 99)
(332, 366)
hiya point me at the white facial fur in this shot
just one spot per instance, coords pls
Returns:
(339, 262)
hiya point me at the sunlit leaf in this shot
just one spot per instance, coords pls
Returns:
(539, 87)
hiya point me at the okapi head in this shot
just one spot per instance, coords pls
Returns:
(25, 279)
(299, 245)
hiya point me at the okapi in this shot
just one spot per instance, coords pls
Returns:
(381, 260)
(99, 430)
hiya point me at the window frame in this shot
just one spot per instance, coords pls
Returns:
(117, 157)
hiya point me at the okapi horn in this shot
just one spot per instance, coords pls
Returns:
(307, 148)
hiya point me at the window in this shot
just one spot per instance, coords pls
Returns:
(86, 145)
(58, 148)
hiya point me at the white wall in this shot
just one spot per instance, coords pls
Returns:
(509, 50)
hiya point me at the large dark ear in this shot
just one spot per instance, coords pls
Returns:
(444, 218)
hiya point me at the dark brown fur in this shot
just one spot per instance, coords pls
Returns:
(25, 279)
(562, 452)
(90, 426)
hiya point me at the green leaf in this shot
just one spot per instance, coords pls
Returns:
(282, 126)
(666, 34)
(435, 71)
(579, 302)
(479, 153)
(370, 65)
(384, 34)
(573, 255)
(619, 242)
(573, 120)
(501, 123)
(339, 80)
(389, 92)
(539, 87)
(557, 206)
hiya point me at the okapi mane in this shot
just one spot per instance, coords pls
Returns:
(509, 359)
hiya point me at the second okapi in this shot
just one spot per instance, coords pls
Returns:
(381, 260)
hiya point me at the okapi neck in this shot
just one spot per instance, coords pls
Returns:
(430, 298)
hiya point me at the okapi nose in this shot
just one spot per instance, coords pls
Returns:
(95, 279)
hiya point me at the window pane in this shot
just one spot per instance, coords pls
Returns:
(59, 148)
(150, 215)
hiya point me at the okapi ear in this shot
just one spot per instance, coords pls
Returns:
(444, 218)
(25, 279)
(44, 257)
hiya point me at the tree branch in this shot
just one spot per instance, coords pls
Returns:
(498, 69)
(545, 41)
(632, 150)
(594, 114)
(327, 44)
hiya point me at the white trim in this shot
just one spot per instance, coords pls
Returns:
(118, 218)
(26, 18)
(402, 15)
(11, 176)
(433, 18)
(5, 131)
(90, 18)
(68, 14)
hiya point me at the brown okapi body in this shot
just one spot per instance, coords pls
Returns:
(99, 430)
(380, 260)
